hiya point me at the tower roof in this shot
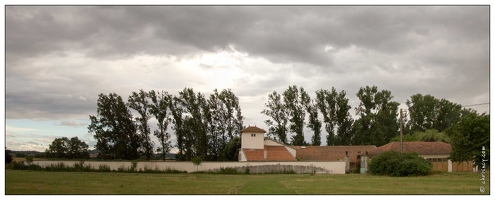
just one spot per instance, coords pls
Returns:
(253, 129)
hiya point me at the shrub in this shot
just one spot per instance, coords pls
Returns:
(228, 170)
(29, 159)
(8, 157)
(80, 167)
(104, 168)
(133, 166)
(392, 163)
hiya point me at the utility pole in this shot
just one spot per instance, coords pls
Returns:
(401, 130)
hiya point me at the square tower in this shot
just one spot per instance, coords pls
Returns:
(252, 137)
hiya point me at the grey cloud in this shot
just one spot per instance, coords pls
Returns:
(72, 123)
(444, 40)
(281, 34)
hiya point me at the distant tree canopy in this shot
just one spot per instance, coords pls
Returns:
(430, 135)
(427, 112)
(209, 126)
(203, 126)
(377, 120)
(68, 148)
(288, 115)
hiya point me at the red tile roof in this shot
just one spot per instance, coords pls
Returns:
(254, 154)
(273, 153)
(422, 148)
(278, 153)
(253, 129)
(330, 153)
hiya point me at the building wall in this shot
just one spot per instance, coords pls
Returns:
(249, 142)
(463, 167)
(262, 167)
(269, 142)
(242, 156)
(443, 164)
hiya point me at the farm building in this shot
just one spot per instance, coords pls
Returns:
(255, 147)
(333, 153)
(435, 152)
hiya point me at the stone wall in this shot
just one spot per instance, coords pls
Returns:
(254, 167)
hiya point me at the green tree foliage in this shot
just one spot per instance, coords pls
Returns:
(295, 102)
(216, 129)
(314, 124)
(326, 102)
(159, 108)
(139, 102)
(276, 110)
(421, 112)
(197, 161)
(338, 121)
(288, 114)
(177, 114)
(469, 137)
(68, 148)
(231, 150)
(428, 112)
(8, 156)
(378, 117)
(114, 129)
(196, 140)
(392, 163)
(430, 135)
(203, 126)
(225, 120)
(344, 120)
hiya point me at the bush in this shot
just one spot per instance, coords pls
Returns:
(104, 168)
(392, 163)
(29, 159)
(228, 170)
(8, 157)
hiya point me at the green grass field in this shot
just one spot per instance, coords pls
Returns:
(38, 182)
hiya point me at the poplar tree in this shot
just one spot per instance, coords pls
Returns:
(276, 110)
(139, 102)
(159, 109)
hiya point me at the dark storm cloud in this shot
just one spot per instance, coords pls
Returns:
(444, 42)
(281, 34)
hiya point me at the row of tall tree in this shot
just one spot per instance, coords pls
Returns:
(204, 127)
(377, 122)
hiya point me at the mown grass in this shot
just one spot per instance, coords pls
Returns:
(39, 182)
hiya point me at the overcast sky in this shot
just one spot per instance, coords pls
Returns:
(58, 59)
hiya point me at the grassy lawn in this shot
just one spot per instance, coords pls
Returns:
(37, 182)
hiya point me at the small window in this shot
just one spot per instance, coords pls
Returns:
(253, 135)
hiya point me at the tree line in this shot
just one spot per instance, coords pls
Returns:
(377, 114)
(206, 127)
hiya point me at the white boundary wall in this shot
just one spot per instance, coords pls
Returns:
(299, 167)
